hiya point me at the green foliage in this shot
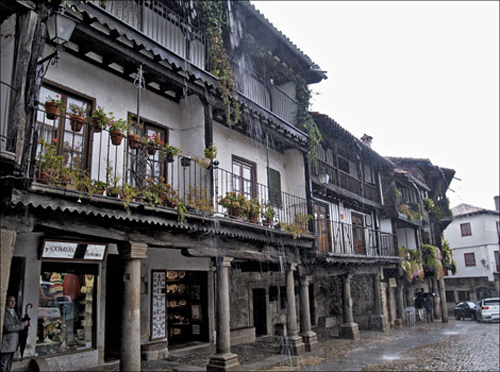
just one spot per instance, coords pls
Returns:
(411, 264)
(299, 226)
(431, 261)
(304, 119)
(448, 261)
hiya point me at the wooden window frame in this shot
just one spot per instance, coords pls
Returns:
(465, 229)
(467, 259)
(253, 174)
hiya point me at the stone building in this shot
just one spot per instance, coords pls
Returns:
(124, 246)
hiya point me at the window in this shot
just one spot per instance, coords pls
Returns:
(66, 308)
(244, 177)
(70, 144)
(323, 228)
(274, 187)
(470, 259)
(154, 167)
(465, 229)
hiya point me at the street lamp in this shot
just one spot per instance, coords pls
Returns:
(60, 27)
(324, 177)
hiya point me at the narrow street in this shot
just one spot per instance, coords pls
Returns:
(455, 346)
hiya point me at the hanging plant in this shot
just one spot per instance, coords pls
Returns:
(213, 18)
(431, 261)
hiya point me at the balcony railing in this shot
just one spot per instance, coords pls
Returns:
(348, 239)
(347, 182)
(88, 161)
(162, 25)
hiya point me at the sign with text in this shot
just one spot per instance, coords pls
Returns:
(158, 304)
(66, 250)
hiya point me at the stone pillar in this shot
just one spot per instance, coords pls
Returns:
(400, 307)
(308, 336)
(131, 253)
(223, 360)
(7, 243)
(378, 320)
(435, 299)
(293, 344)
(349, 329)
(442, 294)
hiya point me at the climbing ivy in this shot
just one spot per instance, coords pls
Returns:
(431, 260)
(214, 19)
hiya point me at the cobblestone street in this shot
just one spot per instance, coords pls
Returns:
(456, 346)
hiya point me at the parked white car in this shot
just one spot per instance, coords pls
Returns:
(489, 310)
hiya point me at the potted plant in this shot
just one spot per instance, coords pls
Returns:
(210, 152)
(253, 210)
(98, 186)
(268, 213)
(48, 163)
(186, 161)
(133, 137)
(77, 116)
(169, 152)
(117, 128)
(199, 201)
(53, 106)
(153, 142)
(100, 119)
(235, 203)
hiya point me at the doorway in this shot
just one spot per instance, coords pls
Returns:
(114, 302)
(259, 311)
(358, 233)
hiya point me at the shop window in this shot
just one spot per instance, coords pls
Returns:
(465, 229)
(450, 296)
(72, 145)
(470, 259)
(66, 308)
(463, 296)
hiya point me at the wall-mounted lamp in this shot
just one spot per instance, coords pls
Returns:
(60, 27)
(324, 177)
(483, 261)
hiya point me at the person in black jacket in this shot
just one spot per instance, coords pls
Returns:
(429, 306)
(11, 328)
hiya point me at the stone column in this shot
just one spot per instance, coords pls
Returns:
(223, 360)
(131, 253)
(293, 343)
(7, 243)
(349, 329)
(442, 294)
(435, 299)
(309, 337)
(378, 320)
(400, 307)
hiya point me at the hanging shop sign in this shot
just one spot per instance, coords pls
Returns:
(69, 250)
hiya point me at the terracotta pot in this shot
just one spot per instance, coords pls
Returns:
(133, 141)
(116, 137)
(42, 177)
(233, 212)
(151, 150)
(253, 218)
(97, 127)
(266, 222)
(52, 109)
(76, 122)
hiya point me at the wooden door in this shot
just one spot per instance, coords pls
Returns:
(323, 229)
(358, 232)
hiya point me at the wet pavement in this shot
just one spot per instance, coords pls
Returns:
(455, 346)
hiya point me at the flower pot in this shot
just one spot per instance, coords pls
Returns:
(186, 161)
(116, 137)
(169, 158)
(253, 218)
(52, 109)
(76, 122)
(95, 125)
(42, 177)
(133, 141)
(266, 222)
(151, 151)
(233, 212)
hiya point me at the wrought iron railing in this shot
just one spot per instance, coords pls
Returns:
(348, 182)
(162, 25)
(89, 162)
(349, 239)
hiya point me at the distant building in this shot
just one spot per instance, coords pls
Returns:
(474, 237)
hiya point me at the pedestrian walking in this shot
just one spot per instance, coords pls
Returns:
(11, 328)
(429, 307)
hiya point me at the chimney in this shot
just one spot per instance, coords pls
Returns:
(497, 202)
(367, 140)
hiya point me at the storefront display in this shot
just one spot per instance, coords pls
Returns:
(66, 310)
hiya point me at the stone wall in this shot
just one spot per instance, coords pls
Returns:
(363, 300)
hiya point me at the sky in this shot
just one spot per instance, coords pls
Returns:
(420, 77)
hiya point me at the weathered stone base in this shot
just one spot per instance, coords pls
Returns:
(379, 323)
(223, 362)
(293, 345)
(349, 331)
(242, 336)
(310, 341)
(155, 351)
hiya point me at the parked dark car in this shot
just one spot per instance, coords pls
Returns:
(466, 309)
